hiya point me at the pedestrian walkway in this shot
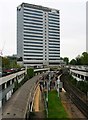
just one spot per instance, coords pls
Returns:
(38, 107)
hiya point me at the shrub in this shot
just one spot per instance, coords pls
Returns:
(30, 72)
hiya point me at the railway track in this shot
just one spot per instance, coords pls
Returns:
(83, 107)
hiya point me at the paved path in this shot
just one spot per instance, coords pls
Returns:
(38, 105)
(37, 100)
(16, 106)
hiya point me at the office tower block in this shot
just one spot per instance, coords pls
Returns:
(38, 35)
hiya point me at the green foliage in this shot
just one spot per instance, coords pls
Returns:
(80, 59)
(9, 62)
(55, 107)
(73, 62)
(5, 62)
(81, 85)
(84, 58)
(30, 72)
(66, 60)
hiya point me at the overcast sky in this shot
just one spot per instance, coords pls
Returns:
(72, 25)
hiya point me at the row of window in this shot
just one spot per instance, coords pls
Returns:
(38, 51)
(41, 27)
(32, 42)
(35, 14)
(54, 41)
(54, 38)
(33, 17)
(54, 59)
(53, 23)
(41, 48)
(33, 36)
(34, 23)
(33, 48)
(54, 32)
(54, 35)
(53, 47)
(32, 10)
(31, 39)
(40, 33)
(31, 29)
(54, 26)
(33, 33)
(33, 45)
(54, 50)
(36, 63)
(37, 44)
(53, 20)
(53, 29)
(32, 20)
(54, 53)
(28, 40)
(34, 55)
(33, 58)
(54, 44)
(54, 14)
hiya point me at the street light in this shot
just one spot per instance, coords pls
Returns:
(49, 81)
(58, 84)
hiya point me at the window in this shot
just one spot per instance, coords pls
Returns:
(8, 83)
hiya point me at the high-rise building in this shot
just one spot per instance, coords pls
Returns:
(38, 35)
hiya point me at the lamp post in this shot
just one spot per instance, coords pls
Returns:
(58, 83)
(49, 81)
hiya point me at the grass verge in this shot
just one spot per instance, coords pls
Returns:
(55, 107)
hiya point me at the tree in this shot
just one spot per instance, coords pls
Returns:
(78, 60)
(30, 72)
(5, 62)
(84, 58)
(73, 62)
(66, 60)
(9, 62)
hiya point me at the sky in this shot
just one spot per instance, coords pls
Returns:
(72, 25)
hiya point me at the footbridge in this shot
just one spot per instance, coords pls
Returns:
(21, 103)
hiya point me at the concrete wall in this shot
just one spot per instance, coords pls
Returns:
(7, 85)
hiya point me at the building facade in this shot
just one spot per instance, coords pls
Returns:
(38, 35)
